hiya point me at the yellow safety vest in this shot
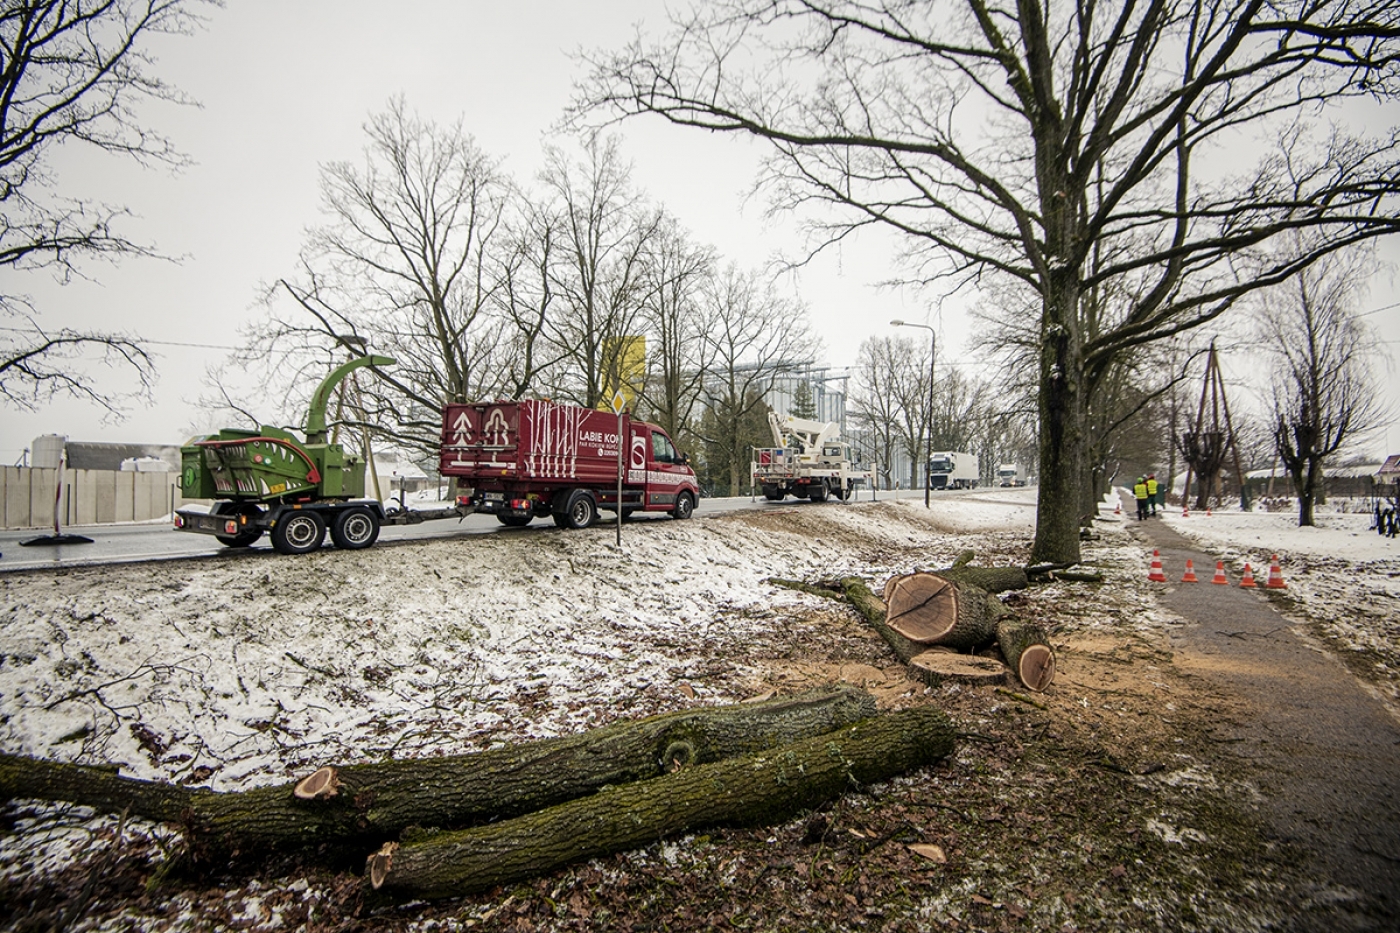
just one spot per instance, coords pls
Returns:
(1152, 487)
(1140, 490)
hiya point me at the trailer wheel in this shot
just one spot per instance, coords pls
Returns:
(579, 512)
(685, 506)
(243, 538)
(298, 532)
(355, 528)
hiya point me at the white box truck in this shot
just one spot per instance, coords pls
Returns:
(953, 470)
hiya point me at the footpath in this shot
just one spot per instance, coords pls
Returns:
(1325, 753)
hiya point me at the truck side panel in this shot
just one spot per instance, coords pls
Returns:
(529, 441)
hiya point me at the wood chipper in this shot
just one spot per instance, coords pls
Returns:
(269, 481)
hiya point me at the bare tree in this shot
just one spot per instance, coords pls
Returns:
(598, 277)
(72, 73)
(409, 264)
(755, 337)
(1024, 141)
(1322, 392)
(876, 399)
(678, 355)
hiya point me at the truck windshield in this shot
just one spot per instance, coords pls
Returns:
(941, 465)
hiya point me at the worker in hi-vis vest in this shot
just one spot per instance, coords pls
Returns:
(1140, 493)
(1152, 492)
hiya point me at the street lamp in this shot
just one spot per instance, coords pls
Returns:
(932, 353)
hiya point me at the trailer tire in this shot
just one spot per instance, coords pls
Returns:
(580, 511)
(243, 538)
(817, 493)
(355, 528)
(298, 532)
(685, 506)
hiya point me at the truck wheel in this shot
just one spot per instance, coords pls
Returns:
(298, 532)
(580, 512)
(817, 493)
(685, 506)
(511, 520)
(772, 494)
(355, 529)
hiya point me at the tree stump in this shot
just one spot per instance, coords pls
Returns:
(1028, 652)
(935, 667)
(759, 789)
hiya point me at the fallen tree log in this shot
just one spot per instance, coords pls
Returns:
(872, 609)
(756, 790)
(930, 609)
(990, 579)
(370, 803)
(1028, 653)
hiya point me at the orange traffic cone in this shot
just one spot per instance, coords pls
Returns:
(1185, 511)
(1275, 576)
(1220, 573)
(1248, 580)
(1207, 511)
(1156, 575)
(1190, 575)
(1118, 509)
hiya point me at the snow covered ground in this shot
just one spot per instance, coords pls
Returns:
(235, 672)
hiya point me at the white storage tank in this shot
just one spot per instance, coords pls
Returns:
(47, 451)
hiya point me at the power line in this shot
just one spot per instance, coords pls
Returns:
(159, 343)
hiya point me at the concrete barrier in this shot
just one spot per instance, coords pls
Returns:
(89, 497)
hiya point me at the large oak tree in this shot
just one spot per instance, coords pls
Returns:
(1160, 148)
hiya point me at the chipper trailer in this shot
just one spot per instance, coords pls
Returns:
(294, 490)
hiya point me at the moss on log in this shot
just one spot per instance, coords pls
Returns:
(760, 789)
(989, 579)
(374, 802)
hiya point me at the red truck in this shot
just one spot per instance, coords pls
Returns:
(528, 459)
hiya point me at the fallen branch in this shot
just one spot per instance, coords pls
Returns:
(756, 790)
(370, 803)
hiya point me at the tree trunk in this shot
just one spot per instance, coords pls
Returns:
(939, 665)
(757, 790)
(991, 579)
(374, 802)
(930, 609)
(1027, 651)
(1062, 421)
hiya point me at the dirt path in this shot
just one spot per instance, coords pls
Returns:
(1323, 752)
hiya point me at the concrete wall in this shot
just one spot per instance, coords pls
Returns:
(89, 497)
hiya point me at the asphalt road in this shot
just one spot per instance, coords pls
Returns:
(134, 543)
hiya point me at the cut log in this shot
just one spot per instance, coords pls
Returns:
(376, 802)
(991, 579)
(930, 609)
(872, 609)
(1028, 652)
(936, 667)
(756, 790)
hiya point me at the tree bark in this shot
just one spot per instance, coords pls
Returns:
(756, 790)
(1028, 653)
(375, 802)
(991, 579)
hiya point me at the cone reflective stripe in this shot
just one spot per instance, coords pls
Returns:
(1275, 576)
(1220, 573)
(1185, 512)
(1248, 581)
(1190, 575)
(1156, 575)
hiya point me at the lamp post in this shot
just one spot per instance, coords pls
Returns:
(928, 415)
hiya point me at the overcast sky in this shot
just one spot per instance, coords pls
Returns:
(286, 87)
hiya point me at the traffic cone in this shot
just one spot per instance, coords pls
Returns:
(1220, 574)
(1275, 576)
(1118, 509)
(1248, 581)
(1207, 511)
(1185, 511)
(1190, 575)
(1156, 575)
